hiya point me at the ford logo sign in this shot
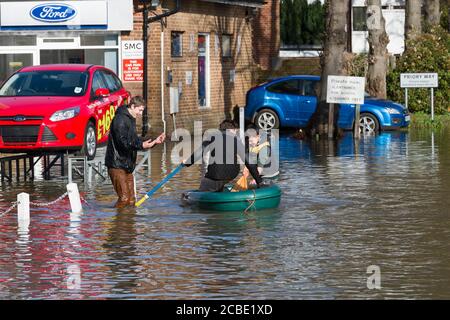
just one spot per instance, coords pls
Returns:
(53, 12)
(19, 118)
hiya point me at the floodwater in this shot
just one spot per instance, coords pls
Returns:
(346, 207)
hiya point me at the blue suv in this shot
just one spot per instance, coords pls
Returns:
(291, 101)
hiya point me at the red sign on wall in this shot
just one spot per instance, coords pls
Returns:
(133, 69)
(133, 60)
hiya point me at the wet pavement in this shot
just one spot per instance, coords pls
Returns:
(345, 207)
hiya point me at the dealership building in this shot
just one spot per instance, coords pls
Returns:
(202, 56)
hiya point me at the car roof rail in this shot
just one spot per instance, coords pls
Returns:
(90, 67)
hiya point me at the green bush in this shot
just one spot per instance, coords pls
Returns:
(428, 53)
(357, 65)
(422, 120)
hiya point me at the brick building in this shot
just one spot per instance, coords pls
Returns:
(205, 56)
(266, 35)
(207, 53)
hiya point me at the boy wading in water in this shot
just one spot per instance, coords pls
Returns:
(121, 152)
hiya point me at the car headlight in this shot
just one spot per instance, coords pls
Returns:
(393, 111)
(65, 114)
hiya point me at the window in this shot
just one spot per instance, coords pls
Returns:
(111, 82)
(309, 87)
(287, 87)
(11, 62)
(17, 40)
(97, 82)
(226, 45)
(46, 83)
(58, 40)
(99, 40)
(177, 44)
(359, 19)
(103, 57)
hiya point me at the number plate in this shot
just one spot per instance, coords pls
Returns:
(407, 118)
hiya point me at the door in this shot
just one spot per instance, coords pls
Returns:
(203, 70)
(307, 100)
(101, 104)
(286, 95)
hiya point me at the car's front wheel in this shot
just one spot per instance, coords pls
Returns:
(90, 142)
(368, 123)
(267, 119)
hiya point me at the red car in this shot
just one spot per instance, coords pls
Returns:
(60, 107)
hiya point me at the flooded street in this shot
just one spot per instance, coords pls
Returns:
(383, 202)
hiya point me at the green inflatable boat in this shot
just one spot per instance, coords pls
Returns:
(266, 197)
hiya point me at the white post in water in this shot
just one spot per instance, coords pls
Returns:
(241, 124)
(23, 210)
(74, 197)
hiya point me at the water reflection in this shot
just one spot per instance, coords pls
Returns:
(346, 205)
(120, 248)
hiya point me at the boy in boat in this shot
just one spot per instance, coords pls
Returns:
(258, 151)
(225, 167)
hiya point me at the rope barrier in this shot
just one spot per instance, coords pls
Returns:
(14, 204)
(252, 201)
(37, 204)
(46, 204)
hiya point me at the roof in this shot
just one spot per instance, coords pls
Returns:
(296, 76)
(54, 67)
(252, 3)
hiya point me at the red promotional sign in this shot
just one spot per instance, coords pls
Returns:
(133, 69)
(133, 60)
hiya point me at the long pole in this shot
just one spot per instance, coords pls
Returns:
(160, 184)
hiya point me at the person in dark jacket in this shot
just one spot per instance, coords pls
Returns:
(225, 166)
(122, 148)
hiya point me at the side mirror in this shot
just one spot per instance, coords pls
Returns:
(102, 92)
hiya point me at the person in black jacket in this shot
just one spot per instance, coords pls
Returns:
(121, 151)
(225, 166)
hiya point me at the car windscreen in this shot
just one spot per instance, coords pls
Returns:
(46, 83)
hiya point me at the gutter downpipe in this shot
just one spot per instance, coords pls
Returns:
(159, 18)
(145, 80)
(163, 118)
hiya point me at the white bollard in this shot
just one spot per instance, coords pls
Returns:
(74, 198)
(23, 210)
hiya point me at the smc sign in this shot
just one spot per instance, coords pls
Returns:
(53, 12)
(133, 46)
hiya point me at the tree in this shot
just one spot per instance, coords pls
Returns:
(432, 14)
(377, 58)
(314, 23)
(413, 21)
(283, 23)
(301, 23)
(332, 62)
(297, 13)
